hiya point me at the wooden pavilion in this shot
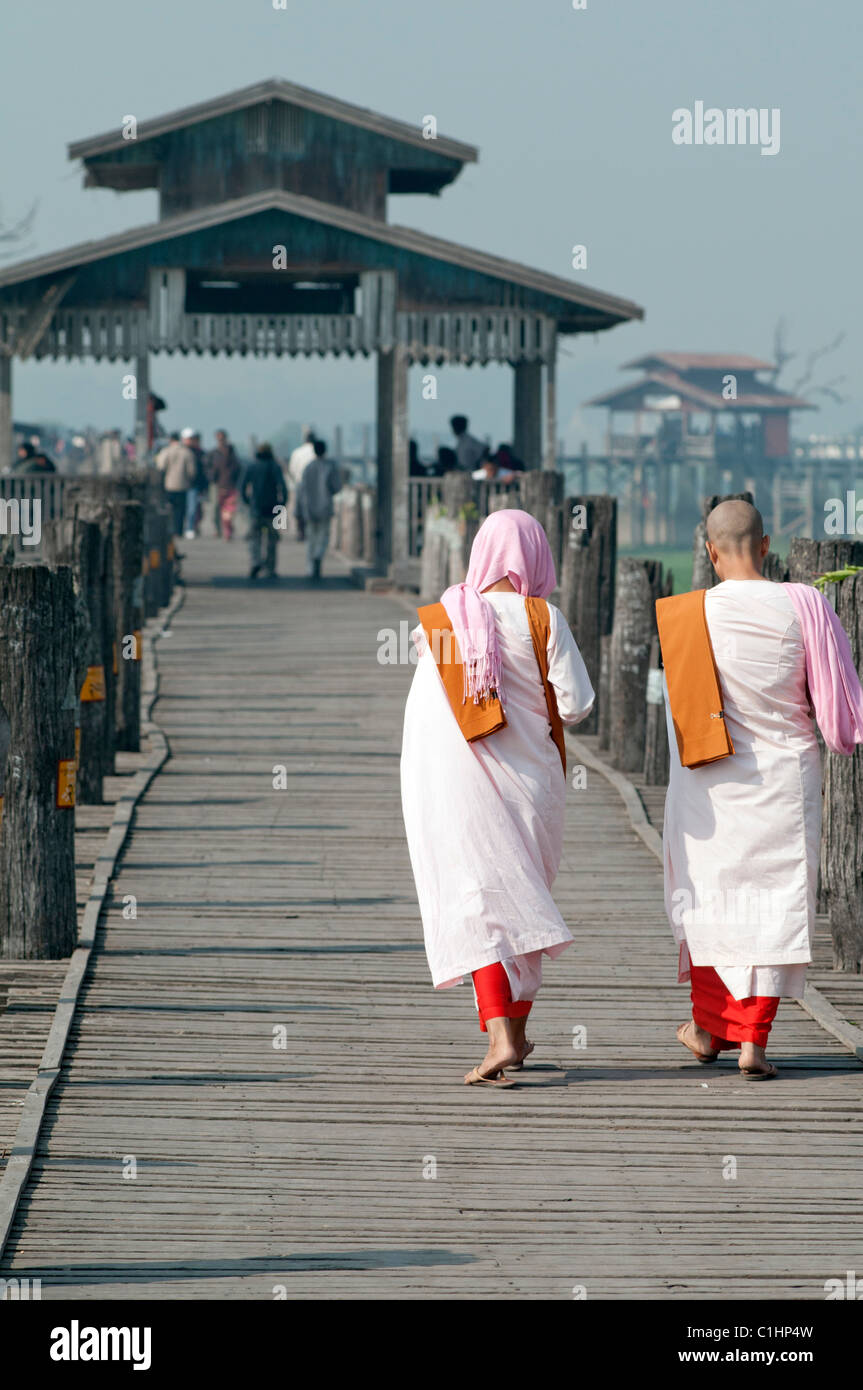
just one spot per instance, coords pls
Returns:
(273, 239)
(702, 406)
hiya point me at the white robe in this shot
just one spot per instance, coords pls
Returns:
(484, 820)
(742, 835)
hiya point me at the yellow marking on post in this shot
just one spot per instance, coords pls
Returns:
(139, 647)
(66, 783)
(155, 559)
(77, 748)
(94, 684)
(145, 565)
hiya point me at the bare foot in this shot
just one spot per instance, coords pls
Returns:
(753, 1062)
(523, 1046)
(696, 1040)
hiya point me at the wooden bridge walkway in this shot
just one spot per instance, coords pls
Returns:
(269, 916)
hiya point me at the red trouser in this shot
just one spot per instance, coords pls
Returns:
(494, 996)
(729, 1021)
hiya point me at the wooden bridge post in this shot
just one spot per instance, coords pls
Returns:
(95, 499)
(842, 834)
(7, 452)
(587, 577)
(639, 584)
(656, 727)
(841, 894)
(38, 914)
(81, 545)
(542, 496)
(128, 620)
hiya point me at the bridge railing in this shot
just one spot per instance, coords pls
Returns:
(72, 610)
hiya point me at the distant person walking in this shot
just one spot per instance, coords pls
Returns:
(469, 451)
(177, 463)
(297, 465)
(320, 482)
(200, 482)
(263, 490)
(224, 471)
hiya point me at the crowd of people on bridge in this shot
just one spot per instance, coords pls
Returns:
(195, 479)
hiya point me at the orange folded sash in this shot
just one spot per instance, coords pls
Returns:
(475, 719)
(478, 720)
(692, 679)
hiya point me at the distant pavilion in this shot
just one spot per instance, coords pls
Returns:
(273, 166)
(702, 406)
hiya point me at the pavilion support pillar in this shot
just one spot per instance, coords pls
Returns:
(6, 450)
(527, 413)
(549, 455)
(142, 395)
(393, 466)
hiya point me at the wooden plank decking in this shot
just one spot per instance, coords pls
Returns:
(259, 909)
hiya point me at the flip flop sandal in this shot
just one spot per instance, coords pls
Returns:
(475, 1079)
(704, 1057)
(752, 1074)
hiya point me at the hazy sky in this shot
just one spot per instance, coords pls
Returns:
(571, 110)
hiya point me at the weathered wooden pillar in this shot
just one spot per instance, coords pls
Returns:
(166, 543)
(807, 559)
(7, 453)
(527, 413)
(393, 462)
(587, 576)
(602, 715)
(142, 396)
(549, 453)
(128, 620)
(842, 833)
(656, 727)
(639, 584)
(542, 496)
(663, 503)
(38, 915)
(81, 545)
(94, 506)
(458, 502)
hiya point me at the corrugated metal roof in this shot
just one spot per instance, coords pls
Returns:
(276, 89)
(404, 238)
(705, 361)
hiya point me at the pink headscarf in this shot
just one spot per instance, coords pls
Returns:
(509, 545)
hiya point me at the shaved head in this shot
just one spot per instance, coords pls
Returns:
(735, 527)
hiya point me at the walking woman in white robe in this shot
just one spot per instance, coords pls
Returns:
(483, 781)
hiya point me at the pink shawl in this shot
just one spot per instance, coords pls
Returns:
(830, 672)
(509, 545)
